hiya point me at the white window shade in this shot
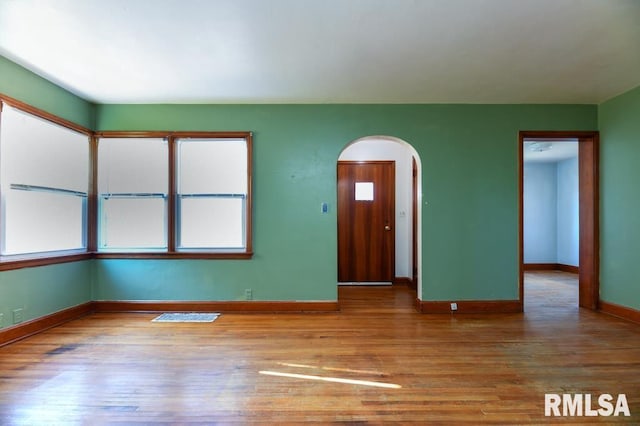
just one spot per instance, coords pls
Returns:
(212, 222)
(212, 190)
(135, 223)
(132, 165)
(38, 152)
(38, 222)
(44, 176)
(214, 166)
(133, 185)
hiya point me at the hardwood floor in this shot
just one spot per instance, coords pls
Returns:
(377, 361)
(550, 290)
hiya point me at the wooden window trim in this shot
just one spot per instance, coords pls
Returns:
(172, 252)
(173, 255)
(41, 259)
(42, 114)
(29, 260)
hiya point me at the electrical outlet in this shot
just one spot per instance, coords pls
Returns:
(248, 294)
(1, 319)
(18, 315)
(454, 306)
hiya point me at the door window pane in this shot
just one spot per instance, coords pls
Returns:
(364, 191)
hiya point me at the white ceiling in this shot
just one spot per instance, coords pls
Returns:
(328, 51)
(558, 151)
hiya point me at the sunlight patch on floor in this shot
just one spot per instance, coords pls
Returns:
(331, 379)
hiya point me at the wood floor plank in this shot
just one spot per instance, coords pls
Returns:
(326, 367)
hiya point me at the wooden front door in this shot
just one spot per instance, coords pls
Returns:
(366, 219)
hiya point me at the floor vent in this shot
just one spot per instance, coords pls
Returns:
(186, 317)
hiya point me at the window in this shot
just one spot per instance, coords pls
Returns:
(132, 194)
(364, 191)
(212, 194)
(181, 194)
(67, 193)
(44, 176)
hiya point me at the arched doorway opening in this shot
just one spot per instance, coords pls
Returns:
(359, 255)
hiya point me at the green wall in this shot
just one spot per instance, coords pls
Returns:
(619, 124)
(23, 85)
(43, 290)
(470, 219)
(469, 165)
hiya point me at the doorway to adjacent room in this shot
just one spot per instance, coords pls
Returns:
(378, 210)
(587, 215)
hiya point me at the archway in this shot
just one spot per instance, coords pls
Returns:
(408, 189)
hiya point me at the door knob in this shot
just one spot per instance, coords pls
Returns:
(387, 228)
